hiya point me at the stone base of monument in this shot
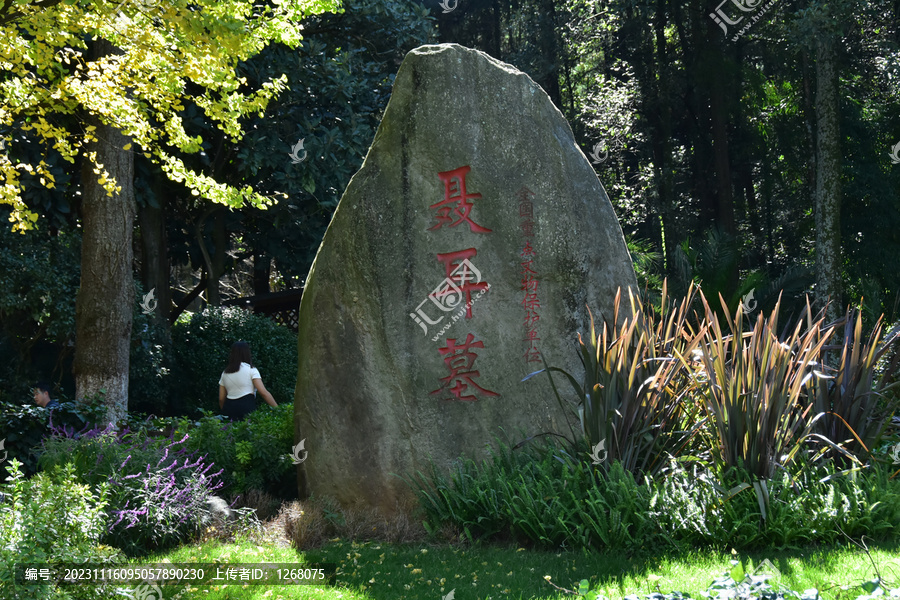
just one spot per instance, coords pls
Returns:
(469, 245)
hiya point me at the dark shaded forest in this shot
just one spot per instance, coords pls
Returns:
(751, 147)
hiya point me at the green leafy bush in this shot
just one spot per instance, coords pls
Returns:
(158, 488)
(814, 504)
(39, 278)
(200, 346)
(23, 427)
(542, 495)
(253, 454)
(150, 381)
(549, 497)
(51, 518)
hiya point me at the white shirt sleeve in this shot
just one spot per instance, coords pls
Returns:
(254, 374)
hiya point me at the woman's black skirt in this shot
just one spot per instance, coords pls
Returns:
(238, 408)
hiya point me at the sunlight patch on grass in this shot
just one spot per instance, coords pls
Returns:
(380, 571)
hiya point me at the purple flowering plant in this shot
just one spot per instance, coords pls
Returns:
(158, 487)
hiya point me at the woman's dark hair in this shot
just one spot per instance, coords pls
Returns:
(240, 352)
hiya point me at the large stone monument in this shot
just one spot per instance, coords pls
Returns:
(473, 238)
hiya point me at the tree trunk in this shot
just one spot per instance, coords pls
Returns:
(262, 270)
(549, 50)
(220, 243)
(155, 254)
(693, 35)
(719, 122)
(215, 263)
(662, 143)
(828, 180)
(104, 304)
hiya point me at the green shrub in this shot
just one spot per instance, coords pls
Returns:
(253, 453)
(546, 496)
(200, 346)
(50, 519)
(541, 495)
(23, 427)
(150, 381)
(39, 278)
(158, 488)
(632, 401)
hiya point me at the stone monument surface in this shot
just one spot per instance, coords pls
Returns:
(473, 238)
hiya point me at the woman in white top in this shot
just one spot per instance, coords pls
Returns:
(239, 383)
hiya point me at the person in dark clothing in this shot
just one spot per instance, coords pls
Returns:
(239, 383)
(42, 396)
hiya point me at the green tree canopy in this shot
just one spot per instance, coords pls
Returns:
(164, 54)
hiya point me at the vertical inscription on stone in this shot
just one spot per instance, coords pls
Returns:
(462, 279)
(530, 301)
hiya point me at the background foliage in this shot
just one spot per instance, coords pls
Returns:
(200, 346)
(254, 454)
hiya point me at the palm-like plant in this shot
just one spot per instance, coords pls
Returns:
(754, 396)
(850, 399)
(632, 400)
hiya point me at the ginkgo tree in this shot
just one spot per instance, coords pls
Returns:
(95, 82)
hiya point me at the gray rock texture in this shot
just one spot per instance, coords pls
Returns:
(474, 236)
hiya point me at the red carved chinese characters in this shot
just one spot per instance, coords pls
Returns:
(461, 281)
(526, 211)
(456, 202)
(460, 359)
(461, 272)
(530, 302)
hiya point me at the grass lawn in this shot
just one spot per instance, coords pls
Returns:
(380, 571)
